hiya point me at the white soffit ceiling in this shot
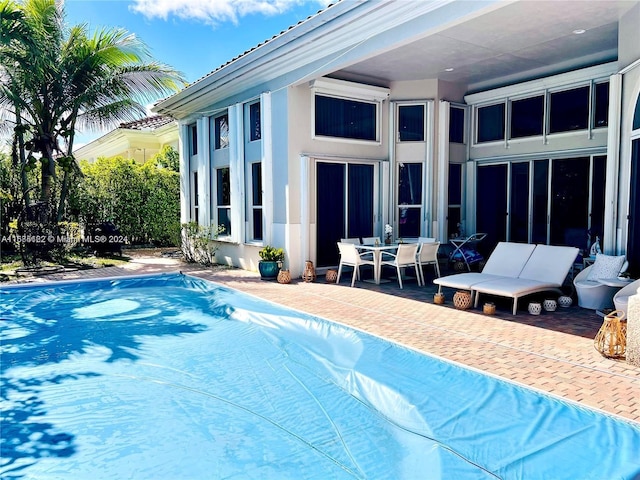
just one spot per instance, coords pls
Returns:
(520, 41)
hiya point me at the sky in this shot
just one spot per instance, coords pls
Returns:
(193, 36)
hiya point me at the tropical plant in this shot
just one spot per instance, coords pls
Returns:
(55, 80)
(271, 254)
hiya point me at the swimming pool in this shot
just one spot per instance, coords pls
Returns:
(173, 377)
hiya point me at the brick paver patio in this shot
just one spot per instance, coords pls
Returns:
(552, 352)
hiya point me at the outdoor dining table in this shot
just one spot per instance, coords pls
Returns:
(377, 251)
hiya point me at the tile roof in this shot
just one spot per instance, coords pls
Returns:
(147, 123)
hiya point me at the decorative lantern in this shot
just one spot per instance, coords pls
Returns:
(611, 339)
(550, 305)
(489, 308)
(462, 300)
(331, 276)
(438, 299)
(535, 308)
(284, 276)
(309, 274)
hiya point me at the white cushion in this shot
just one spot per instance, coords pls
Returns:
(508, 259)
(606, 266)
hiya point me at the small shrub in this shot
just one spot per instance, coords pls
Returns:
(198, 243)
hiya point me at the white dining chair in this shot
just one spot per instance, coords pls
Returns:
(349, 256)
(428, 255)
(406, 256)
(355, 240)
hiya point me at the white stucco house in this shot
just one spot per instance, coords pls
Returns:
(520, 119)
(139, 140)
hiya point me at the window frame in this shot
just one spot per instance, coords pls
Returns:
(413, 206)
(217, 132)
(477, 109)
(421, 105)
(255, 131)
(254, 207)
(217, 205)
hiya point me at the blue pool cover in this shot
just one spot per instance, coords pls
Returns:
(172, 377)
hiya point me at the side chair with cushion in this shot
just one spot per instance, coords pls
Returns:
(349, 256)
(355, 241)
(406, 256)
(428, 255)
(592, 293)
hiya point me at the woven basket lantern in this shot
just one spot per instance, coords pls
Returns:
(331, 276)
(611, 339)
(284, 276)
(462, 300)
(309, 274)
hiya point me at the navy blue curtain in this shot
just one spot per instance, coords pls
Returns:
(330, 212)
(491, 210)
(360, 205)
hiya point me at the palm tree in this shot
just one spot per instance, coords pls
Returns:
(56, 79)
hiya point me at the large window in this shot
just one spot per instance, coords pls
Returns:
(601, 113)
(342, 118)
(491, 123)
(527, 117)
(194, 196)
(554, 111)
(223, 199)
(454, 214)
(256, 201)
(569, 110)
(456, 125)
(411, 123)
(409, 199)
(254, 122)
(193, 140)
(221, 129)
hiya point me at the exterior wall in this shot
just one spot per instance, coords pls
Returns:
(290, 151)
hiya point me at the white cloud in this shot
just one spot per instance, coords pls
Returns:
(216, 11)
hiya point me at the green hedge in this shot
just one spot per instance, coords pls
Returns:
(142, 200)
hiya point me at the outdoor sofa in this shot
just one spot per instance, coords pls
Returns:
(515, 270)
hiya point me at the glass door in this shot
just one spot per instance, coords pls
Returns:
(346, 206)
(491, 204)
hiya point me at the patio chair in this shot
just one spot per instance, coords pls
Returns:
(621, 299)
(355, 241)
(593, 293)
(428, 255)
(406, 256)
(349, 256)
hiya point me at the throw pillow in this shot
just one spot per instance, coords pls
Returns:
(606, 266)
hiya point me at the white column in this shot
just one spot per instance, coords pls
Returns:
(443, 170)
(236, 171)
(267, 166)
(185, 172)
(305, 168)
(204, 173)
(613, 162)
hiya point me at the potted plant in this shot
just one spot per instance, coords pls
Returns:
(271, 259)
